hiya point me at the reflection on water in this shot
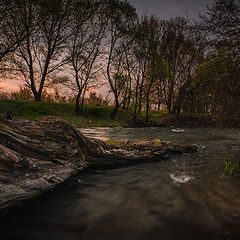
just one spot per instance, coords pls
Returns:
(184, 197)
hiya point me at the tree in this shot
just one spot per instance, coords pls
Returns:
(219, 75)
(222, 22)
(129, 67)
(121, 21)
(12, 31)
(183, 51)
(88, 31)
(42, 51)
(153, 52)
(216, 88)
(141, 55)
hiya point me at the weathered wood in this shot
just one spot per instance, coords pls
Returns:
(37, 155)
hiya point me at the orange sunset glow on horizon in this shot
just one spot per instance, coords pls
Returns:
(9, 85)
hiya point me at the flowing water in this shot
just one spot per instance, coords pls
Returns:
(185, 197)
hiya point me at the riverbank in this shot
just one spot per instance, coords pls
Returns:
(98, 116)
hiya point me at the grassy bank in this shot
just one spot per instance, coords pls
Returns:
(98, 116)
(92, 115)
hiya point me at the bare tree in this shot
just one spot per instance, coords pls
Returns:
(42, 51)
(147, 38)
(121, 20)
(12, 31)
(153, 48)
(86, 47)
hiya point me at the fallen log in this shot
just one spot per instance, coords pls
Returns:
(37, 155)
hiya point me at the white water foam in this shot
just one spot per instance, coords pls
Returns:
(177, 130)
(181, 178)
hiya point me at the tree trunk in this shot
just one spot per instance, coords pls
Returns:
(141, 89)
(180, 98)
(37, 97)
(114, 112)
(148, 103)
(148, 92)
(159, 100)
(82, 105)
(129, 95)
(147, 111)
(77, 104)
(140, 96)
(82, 101)
(135, 104)
(128, 102)
(124, 104)
(116, 107)
(140, 100)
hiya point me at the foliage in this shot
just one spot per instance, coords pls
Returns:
(222, 22)
(93, 99)
(24, 93)
(232, 168)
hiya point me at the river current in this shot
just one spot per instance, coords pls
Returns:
(184, 197)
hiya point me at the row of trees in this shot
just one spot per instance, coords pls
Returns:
(25, 94)
(147, 62)
(216, 87)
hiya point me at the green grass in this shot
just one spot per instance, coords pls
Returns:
(92, 115)
(98, 116)
(232, 168)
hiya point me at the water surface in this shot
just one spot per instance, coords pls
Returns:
(184, 197)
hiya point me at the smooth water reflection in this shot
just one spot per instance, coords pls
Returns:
(184, 197)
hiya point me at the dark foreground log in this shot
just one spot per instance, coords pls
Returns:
(37, 155)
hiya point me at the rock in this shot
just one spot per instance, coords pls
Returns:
(37, 155)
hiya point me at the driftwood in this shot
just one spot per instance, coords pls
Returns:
(37, 155)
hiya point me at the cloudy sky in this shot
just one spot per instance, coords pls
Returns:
(171, 8)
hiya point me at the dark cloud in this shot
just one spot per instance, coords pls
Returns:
(171, 8)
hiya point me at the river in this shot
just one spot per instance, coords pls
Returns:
(184, 197)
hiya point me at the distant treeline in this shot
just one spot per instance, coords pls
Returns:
(175, 64)
(25, 94)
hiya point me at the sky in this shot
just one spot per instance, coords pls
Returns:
(9, 85)
(166, 9)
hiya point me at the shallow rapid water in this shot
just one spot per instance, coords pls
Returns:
(185, 197)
